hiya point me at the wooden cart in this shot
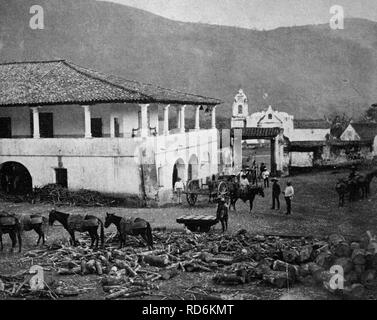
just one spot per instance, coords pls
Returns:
(193, 190)
(201, 223)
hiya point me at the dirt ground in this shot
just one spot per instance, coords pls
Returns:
(315, 213)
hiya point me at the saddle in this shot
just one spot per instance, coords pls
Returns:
(7, 219)
(129, 224)
(79, 222)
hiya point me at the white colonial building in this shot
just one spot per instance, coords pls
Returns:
(294, 130)
(61, 123)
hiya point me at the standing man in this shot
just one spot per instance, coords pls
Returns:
(265, 177)
(288, 194)
(178, 188)
(276, 190)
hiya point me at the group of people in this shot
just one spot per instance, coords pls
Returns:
(288, 195)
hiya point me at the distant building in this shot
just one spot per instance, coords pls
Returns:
(294, 129)
(359, 131)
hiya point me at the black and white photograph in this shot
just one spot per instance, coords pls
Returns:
(194, 151)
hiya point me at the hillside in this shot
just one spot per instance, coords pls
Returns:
(308, 71)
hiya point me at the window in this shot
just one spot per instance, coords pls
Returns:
(240, 109)
(96, 124)
(116, 128)
(270, 116)
(61, 177)
(46, 124)
(5, 127)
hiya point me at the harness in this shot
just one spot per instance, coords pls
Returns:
(127, 225)
(6, 219)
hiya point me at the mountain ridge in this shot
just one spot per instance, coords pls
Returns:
(309, 71)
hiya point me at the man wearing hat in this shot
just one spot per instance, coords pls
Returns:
(288, 194)
(276, 190)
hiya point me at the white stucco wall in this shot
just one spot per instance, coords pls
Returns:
(308, 134)
(349, 134)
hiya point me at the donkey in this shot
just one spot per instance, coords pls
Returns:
(130, 226)
(341, 188)
(245, 195)
(79, 223)
(11, 225)
(37, 223)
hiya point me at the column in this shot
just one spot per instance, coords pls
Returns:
(166, 120)
(182, 119)
(197, 119)
(88, 124)
(213, 117)
(112, 126)
(179, 117)
(36, 134)
(144, 130)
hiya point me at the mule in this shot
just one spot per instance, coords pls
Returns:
(222, 213)
(9, 224)
(130, 226)
(37, 223)
(79, 223)
(245, 195)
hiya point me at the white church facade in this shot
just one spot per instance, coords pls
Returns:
(294, 130)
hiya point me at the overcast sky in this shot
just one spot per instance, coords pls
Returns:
(260, 14)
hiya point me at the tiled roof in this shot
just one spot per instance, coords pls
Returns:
(366, 130)
(259, 133)
(311, 124)
(62, 82)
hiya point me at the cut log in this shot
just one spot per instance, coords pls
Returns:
(286, 267)
(345, 263)
(91, 266)
(278, 279)
(290, 256)
(305, 253)
(322, 276)
(111, 281)
(84, 270)
(325, 260)
(169, 274)
(228, 279)
(342, 249)
(358, 256)
(157, 261)
(368, 277)
(98, 268)
(355, 245)
(65, 272)
(335, 239)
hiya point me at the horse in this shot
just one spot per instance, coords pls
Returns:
(222, 213)
(11, 225)
(245, 195)
(364, 181)
(79, 223)
(37, 223)
(130, 226)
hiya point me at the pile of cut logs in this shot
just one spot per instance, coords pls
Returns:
(279, 261)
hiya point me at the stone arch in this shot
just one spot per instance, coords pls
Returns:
(193, 168)
(15, 178)
(179, 171)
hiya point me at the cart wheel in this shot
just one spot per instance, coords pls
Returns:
(191, 198)
(222, 188)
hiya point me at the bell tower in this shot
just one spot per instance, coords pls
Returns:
(240, 110)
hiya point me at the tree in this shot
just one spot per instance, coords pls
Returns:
(371, 113)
